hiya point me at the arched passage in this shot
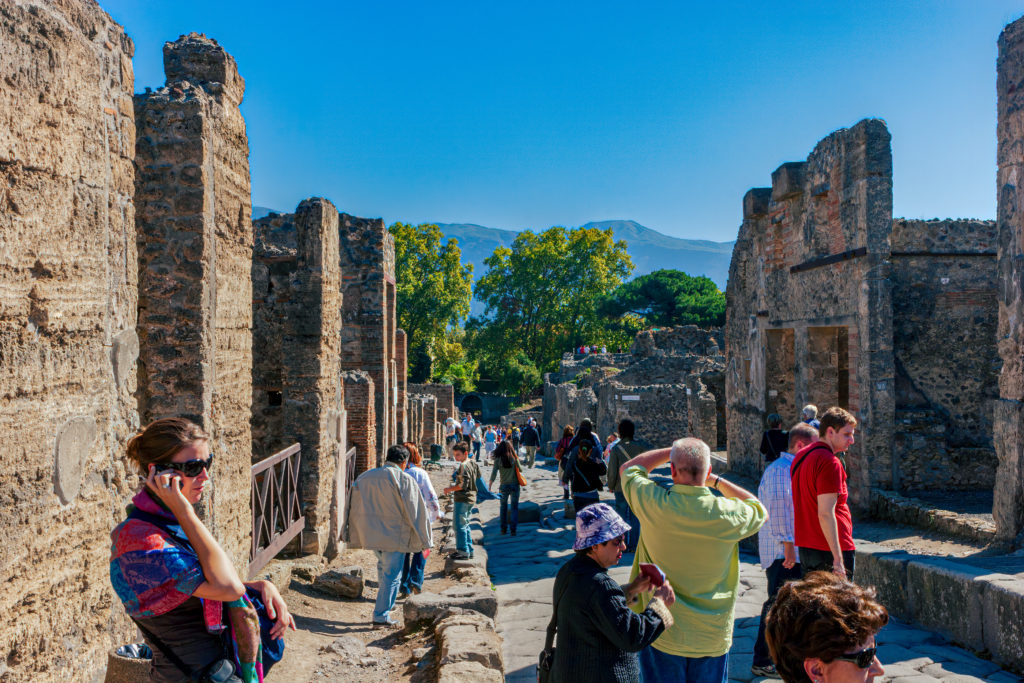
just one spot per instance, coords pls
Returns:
(471, 403)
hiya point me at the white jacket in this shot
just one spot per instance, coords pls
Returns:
(386, 512)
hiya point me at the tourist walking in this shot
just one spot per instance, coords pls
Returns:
(463, 494)
(623, 450)
(450, 436)
(388, 515)
(809, 415)
(468, 423)
(822, 520)
(561, 450)
(776, 539)
(478, 438)
(506, 462)
(692, 535)
(823, 629)
(598, 635)
(166, 567)
(414, 563)
(490, 442)
(531, 441)
(584, 467)
(773, 440)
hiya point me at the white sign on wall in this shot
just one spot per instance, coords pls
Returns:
(632, 397)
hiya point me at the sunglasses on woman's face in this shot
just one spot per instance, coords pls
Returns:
(190, 468)
(863, 658)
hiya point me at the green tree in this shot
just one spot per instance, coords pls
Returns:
(433, 290)
(667, 297)
(451, 363)
(542, 296)
(518, 375)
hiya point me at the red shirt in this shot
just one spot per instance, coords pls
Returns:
(817, 471)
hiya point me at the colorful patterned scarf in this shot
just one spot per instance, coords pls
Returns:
(154, 569)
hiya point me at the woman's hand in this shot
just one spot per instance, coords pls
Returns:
(166, 485)
(641, 584)
(665, 592)
(276, 608)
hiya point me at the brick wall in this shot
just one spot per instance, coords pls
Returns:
(402, 378)
(67, 333)
(361, 412)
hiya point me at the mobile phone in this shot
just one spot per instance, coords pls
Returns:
(653, 572)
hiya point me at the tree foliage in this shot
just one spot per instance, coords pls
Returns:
(433, 292)
(666, 298)
(542, 297)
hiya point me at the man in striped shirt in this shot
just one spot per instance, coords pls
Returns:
(775, 540)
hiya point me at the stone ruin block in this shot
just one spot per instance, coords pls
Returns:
(756, 201)
(68, 309)
(787, 181)
(195, 257)
(361, 410)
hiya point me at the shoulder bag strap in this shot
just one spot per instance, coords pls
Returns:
(801, 461)
(167, 652)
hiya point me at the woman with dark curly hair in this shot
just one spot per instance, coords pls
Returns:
(822, 629)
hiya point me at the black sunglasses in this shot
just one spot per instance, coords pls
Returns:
(863, 658)
(190, 468)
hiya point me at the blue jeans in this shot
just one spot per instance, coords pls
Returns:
(463, 541)
(412, 571)
(509, 491)
(622, 507)
(389, 576)
(657, 666)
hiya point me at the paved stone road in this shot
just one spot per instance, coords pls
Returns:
(523, 569)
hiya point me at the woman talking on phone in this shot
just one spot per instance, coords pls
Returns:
(172, 576)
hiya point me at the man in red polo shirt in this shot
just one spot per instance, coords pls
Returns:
(822, 522)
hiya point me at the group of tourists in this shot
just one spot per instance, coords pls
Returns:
(673, 621)
(487, 438)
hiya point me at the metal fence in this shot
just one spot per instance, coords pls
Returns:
(276, 511)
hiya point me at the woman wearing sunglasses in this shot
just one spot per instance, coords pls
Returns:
(174, 579)
(823, 628)
(598, 634)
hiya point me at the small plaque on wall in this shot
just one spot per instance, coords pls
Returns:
(631, 397)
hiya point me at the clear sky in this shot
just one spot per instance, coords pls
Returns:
(531, 114)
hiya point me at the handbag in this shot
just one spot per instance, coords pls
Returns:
(546, 660)
(520, 478)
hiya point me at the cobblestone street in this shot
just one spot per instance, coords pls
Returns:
(523, 570)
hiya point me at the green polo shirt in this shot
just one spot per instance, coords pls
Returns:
(692, 535)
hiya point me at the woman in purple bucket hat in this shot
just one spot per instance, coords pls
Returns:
(598, 634)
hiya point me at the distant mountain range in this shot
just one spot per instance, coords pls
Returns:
(649, 249)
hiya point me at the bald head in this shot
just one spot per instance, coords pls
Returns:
(691, 461)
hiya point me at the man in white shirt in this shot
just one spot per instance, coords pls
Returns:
(775, 540)
(468, 423)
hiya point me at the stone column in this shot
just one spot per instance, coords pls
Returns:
(360, 406)
(1008, 428)
(195, 258)
(312, 383)
(402, 377)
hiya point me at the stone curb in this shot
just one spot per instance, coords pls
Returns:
(974, 607)
(891, 506)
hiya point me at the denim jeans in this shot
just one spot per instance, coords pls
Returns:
(509, 491)
(777, 576)
(412, 571)
(580, 502)
(622, 507)
(812, 560)
(463, 541)
(389, 576)
(657, 666)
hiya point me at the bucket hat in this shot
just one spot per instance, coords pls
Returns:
(597, 523)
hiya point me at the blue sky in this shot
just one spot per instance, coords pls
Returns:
(530, 114)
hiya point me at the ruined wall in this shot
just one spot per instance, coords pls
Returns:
(361, 411)
(811, 257)
(945, 315)
(195, 242)
(1009, 410)
(366, 250)
(67, 333)
(273, 267)
(659, 411)
(445, 394)
(428, 434)
(402, 379)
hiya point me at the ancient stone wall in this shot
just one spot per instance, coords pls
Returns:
(361, 412)
(811, 257)
(445, 394)
(367, 267)
(195, 258)
(429, 432)
(1009, 410)
(67, 332)
(402, 377)
(945, 315)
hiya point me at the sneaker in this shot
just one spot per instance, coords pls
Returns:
(403, 593)
(766, 671)
(387, 623)
(460, 555)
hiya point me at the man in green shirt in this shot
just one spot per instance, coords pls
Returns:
(692, 535)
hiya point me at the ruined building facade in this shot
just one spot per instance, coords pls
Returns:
(670, 384)
(831, 301)
(133, 287)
